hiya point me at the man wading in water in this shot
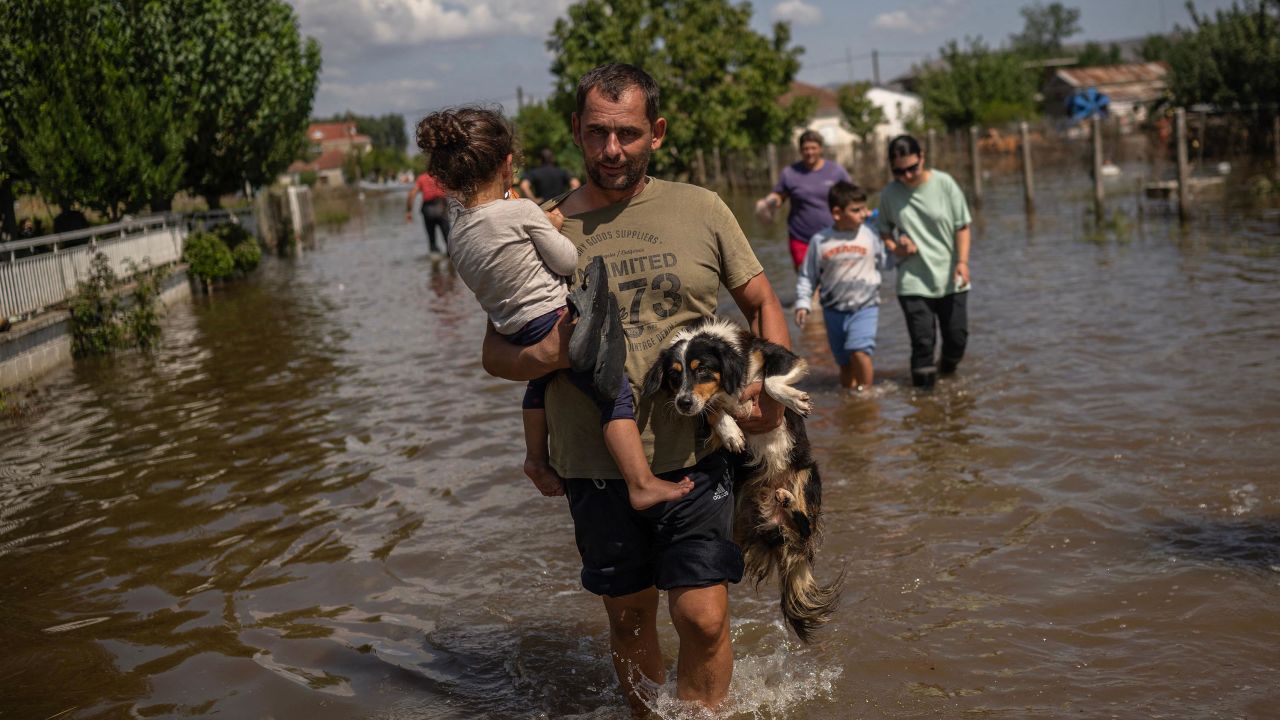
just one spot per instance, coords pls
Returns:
(669, 248)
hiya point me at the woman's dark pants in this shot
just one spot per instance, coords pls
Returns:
(925, 317)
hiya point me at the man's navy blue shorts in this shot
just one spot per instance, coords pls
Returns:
(684, 543)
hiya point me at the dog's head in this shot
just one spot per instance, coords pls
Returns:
(699, 363)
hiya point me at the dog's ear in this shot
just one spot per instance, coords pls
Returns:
(733, 366)
(653, 378)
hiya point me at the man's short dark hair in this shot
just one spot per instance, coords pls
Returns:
(843, 193)
(614, 79)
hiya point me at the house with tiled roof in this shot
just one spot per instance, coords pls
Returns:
(330, 144)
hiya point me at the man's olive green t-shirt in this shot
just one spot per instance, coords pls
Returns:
(669, 249)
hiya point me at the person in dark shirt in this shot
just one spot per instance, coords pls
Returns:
(548, 180)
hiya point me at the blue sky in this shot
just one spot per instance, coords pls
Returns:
(414, 56)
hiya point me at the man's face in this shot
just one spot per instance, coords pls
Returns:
(811, 154)
(616, 139)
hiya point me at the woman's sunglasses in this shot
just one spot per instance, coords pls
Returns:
(910, 169)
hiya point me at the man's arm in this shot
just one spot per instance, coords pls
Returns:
(502, 358)
(760, 305)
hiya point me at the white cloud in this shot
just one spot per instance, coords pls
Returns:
(920, 20)
(798, 12)
(351, 27)
(896, 20)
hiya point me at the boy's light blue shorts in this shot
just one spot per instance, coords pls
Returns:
(850, 332)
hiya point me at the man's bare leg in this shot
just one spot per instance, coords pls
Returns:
(633, 637)
(705, 664)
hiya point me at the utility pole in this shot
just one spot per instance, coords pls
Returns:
(848, 62)
(875, 66)
(519, 98)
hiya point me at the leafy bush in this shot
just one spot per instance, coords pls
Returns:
(100, 323)
(232, 234)
(208, 257)
(247, 255)
(94, 327)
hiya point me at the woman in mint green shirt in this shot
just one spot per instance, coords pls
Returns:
(924, 221)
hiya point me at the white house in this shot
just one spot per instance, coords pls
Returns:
(828, 121)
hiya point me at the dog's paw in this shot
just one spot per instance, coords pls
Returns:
(804, 405)
(733, 439)
(784, 497)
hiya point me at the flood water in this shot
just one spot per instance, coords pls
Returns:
(308, 503)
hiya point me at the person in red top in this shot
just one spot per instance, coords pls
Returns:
(435, 211)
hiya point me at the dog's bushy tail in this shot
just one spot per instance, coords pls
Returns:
(806, 604)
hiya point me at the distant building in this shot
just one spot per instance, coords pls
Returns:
(330, 144)
(1131, 88)
(828, 121)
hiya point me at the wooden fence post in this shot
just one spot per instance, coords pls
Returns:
(1275, 145)
(1180, 137)
(976, 163)
(1098, 193)
(771, 153)
(1028, 185)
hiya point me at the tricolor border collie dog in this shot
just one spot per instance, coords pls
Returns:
(776, 521)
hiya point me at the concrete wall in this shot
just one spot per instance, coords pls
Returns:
(34, 347)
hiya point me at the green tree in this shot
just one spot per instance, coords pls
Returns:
(1155, 48)
(91, 125)
(252, 80)
(539, 125)
(1231, 60)
(977, 85)
(720, 79)
(862, 115)
(1093, 55)
(1044, 28)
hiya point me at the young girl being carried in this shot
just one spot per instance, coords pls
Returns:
(515, 261)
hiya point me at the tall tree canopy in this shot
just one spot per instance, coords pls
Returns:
(977, 85)
(862, 115)
(1231, 60)
(720, 80)
(1044, 28)
(540, 125)
(252, 85)
(87, 122)
(116, 104)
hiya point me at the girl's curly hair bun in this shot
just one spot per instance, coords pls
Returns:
(465, 147)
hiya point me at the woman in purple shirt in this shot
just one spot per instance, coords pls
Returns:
(806, 184)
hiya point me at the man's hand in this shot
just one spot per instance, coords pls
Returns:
(962, 271)
(503, 359)
(801, 316)
(408, 216)
(765, 413)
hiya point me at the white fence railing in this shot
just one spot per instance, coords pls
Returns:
(42, 272)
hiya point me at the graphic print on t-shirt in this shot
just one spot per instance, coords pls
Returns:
(646, 283)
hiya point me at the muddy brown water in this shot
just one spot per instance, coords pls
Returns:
(307, 504)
